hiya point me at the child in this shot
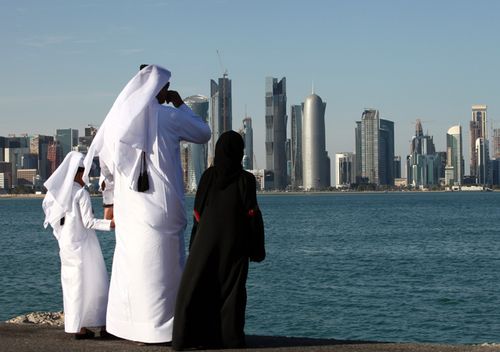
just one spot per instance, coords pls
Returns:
(84, 277)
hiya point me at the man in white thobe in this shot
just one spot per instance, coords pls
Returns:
(149, 255)
(84, 277)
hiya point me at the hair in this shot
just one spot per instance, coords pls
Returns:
(80, 169)
(143, 66)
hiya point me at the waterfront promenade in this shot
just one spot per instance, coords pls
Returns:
(30, 337)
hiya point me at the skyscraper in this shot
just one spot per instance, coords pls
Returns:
(454, 155)
(221, 112)
(276, 120)
(54, 156)
(357, 152)
(375, 144)
(397, 167)
(247, 134)
(344, 169)
(296, 145)
(39, 145)
(483, 161)
(198, 153)
(478, 129)
(315, 161)
(67, 138)
(496, 143)
(423, 164)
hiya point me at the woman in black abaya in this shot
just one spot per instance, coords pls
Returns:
(228, 232)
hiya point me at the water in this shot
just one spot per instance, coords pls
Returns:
(409, 267)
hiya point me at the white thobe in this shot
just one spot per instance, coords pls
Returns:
(149, 255)
(84, 277)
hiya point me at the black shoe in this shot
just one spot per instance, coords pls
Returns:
(85, 336)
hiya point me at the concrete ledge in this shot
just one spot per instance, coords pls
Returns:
(31, 337)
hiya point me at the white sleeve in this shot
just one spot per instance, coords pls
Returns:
(88, 216)
(107, 177)
(191, 127)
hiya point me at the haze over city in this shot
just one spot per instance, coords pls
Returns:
(63, 63)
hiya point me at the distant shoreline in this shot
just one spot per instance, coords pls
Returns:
(272, 193)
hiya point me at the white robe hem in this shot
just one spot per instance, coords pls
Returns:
(141, 332)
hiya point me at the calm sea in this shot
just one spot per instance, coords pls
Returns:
(413, 267)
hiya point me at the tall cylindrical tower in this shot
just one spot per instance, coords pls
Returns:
(315, 164)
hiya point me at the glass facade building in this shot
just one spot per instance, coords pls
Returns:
(221, 112)
(477, 129)
(423, 163)
(454, 172)
(67, 138)
(276, 120)
(344, 169)
(375, 146)
(296, 146)
(247, 134)
(197, 153)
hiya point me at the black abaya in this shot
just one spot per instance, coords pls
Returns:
(210, 308)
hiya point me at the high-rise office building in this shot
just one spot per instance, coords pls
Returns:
(276, 120)
(315, 160)
(3, 145)
(423, 164)
(454, 172)
(247, 134)
(344, 169)
(483, 162)
(185, 164)
(296, 146)
(397, 167)
(87, 139)
(198, 153)
(496, 143)
(67, 138)
(22, 141)
(478, 129)
(357, 153)
(221, 112)
(14, 156)
(40, 145)
(54, 156)
(375, 142)
(5, 175)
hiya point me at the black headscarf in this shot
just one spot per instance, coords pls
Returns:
(228, 156)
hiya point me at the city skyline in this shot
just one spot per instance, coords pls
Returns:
(64, 62)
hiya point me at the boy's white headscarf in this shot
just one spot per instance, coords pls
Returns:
(57, 201)
(124, 134)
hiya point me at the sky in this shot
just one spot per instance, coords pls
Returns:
(63, 63)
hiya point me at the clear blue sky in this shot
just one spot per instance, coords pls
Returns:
(63, 62)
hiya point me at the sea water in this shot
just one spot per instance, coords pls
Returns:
(409, 267)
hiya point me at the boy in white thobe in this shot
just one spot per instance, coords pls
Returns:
(84, 277)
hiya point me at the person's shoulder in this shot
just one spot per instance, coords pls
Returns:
(248, 175)
(166, 109)
(80, 191)
(208, 172)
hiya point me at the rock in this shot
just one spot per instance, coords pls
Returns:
(47, 318)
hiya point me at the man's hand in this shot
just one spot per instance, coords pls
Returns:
(173, 97)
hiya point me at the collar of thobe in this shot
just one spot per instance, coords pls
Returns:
(59, 186)
(130, 126)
